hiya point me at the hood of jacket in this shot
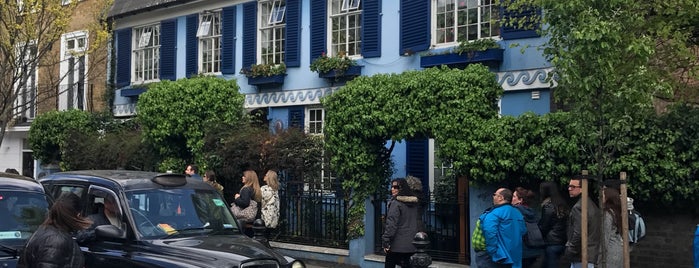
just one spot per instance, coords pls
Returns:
(528, 213)
(407, 199)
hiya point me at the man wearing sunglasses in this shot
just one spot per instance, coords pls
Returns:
(573, 251)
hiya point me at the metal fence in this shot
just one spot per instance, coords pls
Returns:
(312, 215)
(441, 223)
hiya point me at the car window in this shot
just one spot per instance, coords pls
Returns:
(78, 190)
(165, 212)
(103, 207)
(21, 213)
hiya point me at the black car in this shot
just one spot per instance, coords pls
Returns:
(23, 207)
(160, 220)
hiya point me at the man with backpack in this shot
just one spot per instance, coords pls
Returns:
(502, 230)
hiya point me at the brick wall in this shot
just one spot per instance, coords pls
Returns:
(668, 241)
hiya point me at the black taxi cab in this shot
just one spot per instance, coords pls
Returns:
(161, 220)
(23, 207)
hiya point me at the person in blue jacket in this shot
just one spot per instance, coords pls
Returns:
(503, 229)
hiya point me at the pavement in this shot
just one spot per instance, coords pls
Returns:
(323, 264)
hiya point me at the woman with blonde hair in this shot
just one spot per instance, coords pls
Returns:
(249, 195)
(270, 199)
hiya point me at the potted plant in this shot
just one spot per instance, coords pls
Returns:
(265, 74)
(334, 67)
(485, 50)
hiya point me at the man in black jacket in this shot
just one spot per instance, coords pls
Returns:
(573, 251)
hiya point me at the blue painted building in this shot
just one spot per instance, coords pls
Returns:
(158, 40)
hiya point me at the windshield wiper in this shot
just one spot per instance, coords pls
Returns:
(10, 250)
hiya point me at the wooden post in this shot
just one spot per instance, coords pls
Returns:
(583, 219)
(624, 219)
(462, 186)
(603, 236)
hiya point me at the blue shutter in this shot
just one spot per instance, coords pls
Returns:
(414, 26)
(192, 58)
(249, 33)
(371, 29)
(417, 151)
(228, 26)
(296, 117)
(318, 28)
(528, 30)
(123, 57)
(168, 39)
(292, 51)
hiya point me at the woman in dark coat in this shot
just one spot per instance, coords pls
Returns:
(52, 244)
(401, 225)
(554, 219)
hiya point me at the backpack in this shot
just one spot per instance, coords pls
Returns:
(533, 238)
(477, 239)
(637, 227)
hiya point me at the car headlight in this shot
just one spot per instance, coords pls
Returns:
(298, 264)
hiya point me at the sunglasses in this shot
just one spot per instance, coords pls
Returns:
(395, 187)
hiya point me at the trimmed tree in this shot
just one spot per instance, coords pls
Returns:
(175, 115)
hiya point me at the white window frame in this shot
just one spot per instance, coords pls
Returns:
(25, 103)
(274, 13)
(311, 121)
(347, 39)
(209, 35)
(482, 6)
(271, 40)
(145, 54)
(69, 94)
(349, 5)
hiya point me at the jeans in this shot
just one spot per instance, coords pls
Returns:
(483, 260)
(395, 258)
(579, 265)
(552, 255)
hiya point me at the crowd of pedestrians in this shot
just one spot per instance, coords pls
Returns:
(502, 230)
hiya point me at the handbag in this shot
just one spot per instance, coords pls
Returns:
(246, 215)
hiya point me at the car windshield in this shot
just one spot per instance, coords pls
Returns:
(162, 213)
(21, 213)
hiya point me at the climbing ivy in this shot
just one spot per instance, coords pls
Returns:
(367, 116)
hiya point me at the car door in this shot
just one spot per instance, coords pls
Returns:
(103, 253)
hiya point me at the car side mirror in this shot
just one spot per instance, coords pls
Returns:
(109, 232)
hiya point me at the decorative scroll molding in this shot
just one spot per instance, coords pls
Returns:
(512, 80)
(287, 97)
(124, 110)
(525, 79)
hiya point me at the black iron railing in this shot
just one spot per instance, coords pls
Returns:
(441, 223)
(312, 215)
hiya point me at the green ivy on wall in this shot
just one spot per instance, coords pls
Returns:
(371, 112)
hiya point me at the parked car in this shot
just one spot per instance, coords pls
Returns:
(23, 207)
(161, 220)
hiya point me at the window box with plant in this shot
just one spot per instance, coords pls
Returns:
(486, 51)
(336, 67)
(265, 74)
